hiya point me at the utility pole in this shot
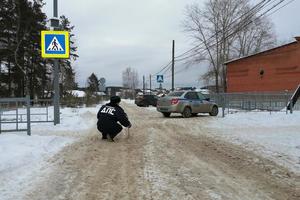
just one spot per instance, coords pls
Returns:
(55, 8)
(173, 63)
(143, 84)
(150, 83)
(55, 25)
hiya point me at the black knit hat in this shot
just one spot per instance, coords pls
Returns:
(115, 99)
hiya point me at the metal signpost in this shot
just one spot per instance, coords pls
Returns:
(55, 45)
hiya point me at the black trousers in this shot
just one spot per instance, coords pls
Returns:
(112, 131)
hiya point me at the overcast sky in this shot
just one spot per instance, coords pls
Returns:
(112, 35)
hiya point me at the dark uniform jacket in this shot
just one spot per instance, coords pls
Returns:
(108, 117)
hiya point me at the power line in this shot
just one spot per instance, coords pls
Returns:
(243, 23)
(251, 21)
(217, 42)
(235, 20)
(234, 32)
(163, 68)
(257, 6)
(281, 7)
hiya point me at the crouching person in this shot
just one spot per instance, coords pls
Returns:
(108, 117)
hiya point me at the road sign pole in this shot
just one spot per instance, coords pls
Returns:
(150, 84)
(56, 93)
(55, 8)
(143, 84)
(173, 63)
(56, 76)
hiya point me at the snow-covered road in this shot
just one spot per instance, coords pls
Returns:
(164, 158)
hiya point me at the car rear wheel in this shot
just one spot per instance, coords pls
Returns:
(214, 111)
(187, 112)
(166, 114)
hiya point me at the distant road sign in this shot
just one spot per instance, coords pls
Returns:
(160, 78)
(55, 44)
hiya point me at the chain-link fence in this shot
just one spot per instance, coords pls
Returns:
(254, 101)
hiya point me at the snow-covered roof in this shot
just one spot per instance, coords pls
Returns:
(101, 93)
(78, 93)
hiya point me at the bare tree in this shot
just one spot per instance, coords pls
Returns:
(254, 38)
(130, 78)
(221, 32)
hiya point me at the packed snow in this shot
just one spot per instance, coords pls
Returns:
(273, 135)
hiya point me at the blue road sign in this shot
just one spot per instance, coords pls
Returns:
(55, 44)
(160, 78)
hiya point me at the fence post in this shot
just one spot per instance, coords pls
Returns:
(287, 101)
(17, 116)
(223, 105)
(0, 120)
(291, 106)
(28, 115)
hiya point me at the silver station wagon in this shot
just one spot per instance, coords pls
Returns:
(188, 103)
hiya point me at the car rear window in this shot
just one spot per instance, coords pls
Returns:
(175, 94)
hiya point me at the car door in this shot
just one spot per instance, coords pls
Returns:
(193, 101)
(205, 106)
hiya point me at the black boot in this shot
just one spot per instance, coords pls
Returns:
(104, 137)
(110, 138)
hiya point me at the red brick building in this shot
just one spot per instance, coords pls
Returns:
(276, 69)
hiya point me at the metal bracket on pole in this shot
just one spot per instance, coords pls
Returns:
(54, 22)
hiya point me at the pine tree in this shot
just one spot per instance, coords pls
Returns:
(22, 70)
(67, 71)
(93, 84)
(7, 33)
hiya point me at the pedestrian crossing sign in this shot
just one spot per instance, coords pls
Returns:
(55, 44)
(160, 78)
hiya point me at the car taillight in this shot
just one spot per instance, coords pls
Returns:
(174, 101)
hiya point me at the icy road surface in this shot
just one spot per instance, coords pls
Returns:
(162, 159)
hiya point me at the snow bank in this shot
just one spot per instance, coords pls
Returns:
(128, 101)
(273, 135)
(22, 156)
(74, 122)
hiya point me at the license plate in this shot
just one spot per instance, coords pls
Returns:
(163, 109)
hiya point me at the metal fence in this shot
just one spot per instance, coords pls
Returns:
(40, 111)
(254, 101)
(9, 114)
(15, 112)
